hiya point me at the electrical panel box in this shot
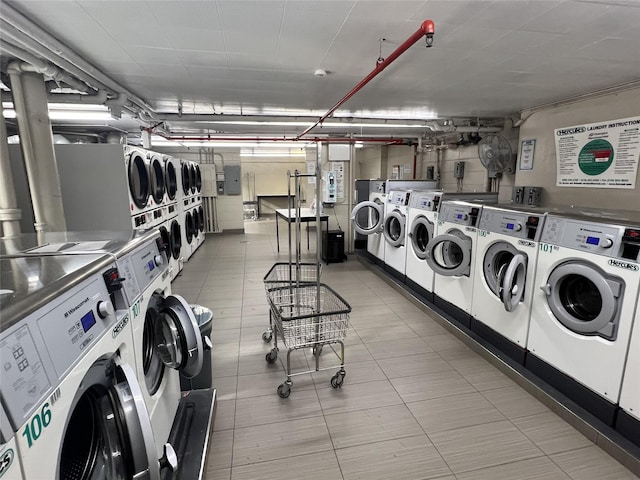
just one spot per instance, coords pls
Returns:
(232, 185)
(458, 170)
(330, 188)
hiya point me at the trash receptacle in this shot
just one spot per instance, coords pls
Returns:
(204, 317)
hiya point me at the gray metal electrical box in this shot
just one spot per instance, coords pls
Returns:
(232, 183)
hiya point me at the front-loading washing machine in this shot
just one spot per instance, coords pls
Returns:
(450, 254)
(507, 250)
(587, 281)
(69, 389)
(394, 231)
(421, 223)
(628, 416)
(374, 225)
(167, 341)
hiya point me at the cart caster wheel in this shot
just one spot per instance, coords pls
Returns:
(317, 351)
(337, 380)
(284, 390)
(267, 336)
(272, 356)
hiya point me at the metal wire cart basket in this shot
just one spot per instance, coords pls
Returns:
(285, 274)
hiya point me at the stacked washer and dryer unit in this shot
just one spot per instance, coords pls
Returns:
(190, 207)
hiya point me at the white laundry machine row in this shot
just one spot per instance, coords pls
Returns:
(628, 416)
(395, 229)
(587, 282)
(371, 213)
(506, 254)
(69, 384)
(422, 217)
(451, 255)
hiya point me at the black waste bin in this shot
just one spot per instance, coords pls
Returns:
(204, 317)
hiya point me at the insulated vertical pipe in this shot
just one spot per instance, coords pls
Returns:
(426, 29)
(9, 213)
(36, 141)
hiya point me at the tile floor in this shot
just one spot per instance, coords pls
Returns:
(416, 402)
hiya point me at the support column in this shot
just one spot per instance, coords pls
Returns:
(36, 141)
(9, 213)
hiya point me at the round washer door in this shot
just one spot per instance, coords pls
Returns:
(175, 239)
(200, 219)
(449, 255)
(170, 180)
(165, 240)
(198, 178)
(139, 183)
(186, 179)
(584, 299)
(178, 340)
(189, 226)
(109, 433)
(513, 282)
(156, 173)
(192, 178)
(421, 233)
(368, 217)
(495, 263)
(395, 224)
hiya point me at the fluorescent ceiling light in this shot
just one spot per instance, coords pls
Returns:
(67, 111)
(161, 141)
(272, 154)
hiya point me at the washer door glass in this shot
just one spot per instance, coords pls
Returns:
(171, 180)
(495, 263)
(450, 254)
(394, 228)
(584, 299)
(186, 179)
(421, 234)
(200, 219)
(192, 178)
(175, 234)
(198, 178)
(109, 432)
(178, 341)
(367, 217)
(189, 226)
(157, 180)
(138, 180)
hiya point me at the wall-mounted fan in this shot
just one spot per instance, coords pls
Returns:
(496, 155)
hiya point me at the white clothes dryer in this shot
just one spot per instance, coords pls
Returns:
(451, 256)
(374, 225)
(157, 179)
(68, 385)
(507, 250)
(421, 220)
(587, 281)
(394, 231)
(166, 339)
(628, 417)
(171, 176)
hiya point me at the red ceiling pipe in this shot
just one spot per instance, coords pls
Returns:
(426, 29)
(209, 138)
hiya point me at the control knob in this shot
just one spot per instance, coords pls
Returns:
(607, 242)
(517, 227)
(104, 309)
(157, 259)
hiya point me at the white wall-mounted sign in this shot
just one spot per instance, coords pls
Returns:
(527, 150)
(603, 154)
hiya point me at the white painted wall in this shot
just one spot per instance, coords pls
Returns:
(540, 126)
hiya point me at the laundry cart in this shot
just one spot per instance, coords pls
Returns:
(304, 313)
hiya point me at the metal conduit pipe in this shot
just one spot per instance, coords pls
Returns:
(52, 47)
(36, 142)
(35, 64)
(385, 140)
(10, 214)
(427, 28)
